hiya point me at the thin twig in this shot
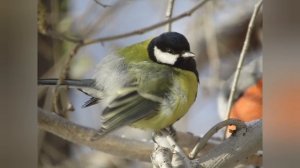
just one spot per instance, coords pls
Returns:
(169, 13)
(61, 36)
(145, 29)
(142, 30)
(102, 4)
(201, 143)
(212, 45)
(63, 75)
(96, 27)
(242, 56)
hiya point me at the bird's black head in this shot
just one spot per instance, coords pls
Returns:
(172, 49)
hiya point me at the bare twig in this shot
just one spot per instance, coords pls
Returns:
(63, 76)
(95, 27)
(242, 56)
(146, 29)
(201, 143)
(212, 45)
(169, 13)
(139, 31)
(60, 36)
(102, 4)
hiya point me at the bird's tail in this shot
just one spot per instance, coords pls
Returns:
(90, 83)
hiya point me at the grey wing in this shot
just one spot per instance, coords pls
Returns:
(127, 108)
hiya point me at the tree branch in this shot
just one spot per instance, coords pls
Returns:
(169, 13)
(239, 124)
(236, 149)
(101, 4)
(63, 75)
(242, 56)
(146, 29)
(128, 148)
(160, 155)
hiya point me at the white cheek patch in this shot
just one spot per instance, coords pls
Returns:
(188, 54)
(165, 57)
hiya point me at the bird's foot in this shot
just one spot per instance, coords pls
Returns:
(172, 132)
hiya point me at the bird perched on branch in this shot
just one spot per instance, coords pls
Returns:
(149, 85)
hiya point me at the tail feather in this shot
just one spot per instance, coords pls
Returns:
(69, 82)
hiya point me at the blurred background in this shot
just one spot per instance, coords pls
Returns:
(216, 33)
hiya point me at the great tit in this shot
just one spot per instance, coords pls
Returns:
(149, 85)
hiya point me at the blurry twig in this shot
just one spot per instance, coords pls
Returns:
(102, 4)
(61, 36)
(242, 56)
(142, 30)
(96, 27)
(212, 46)
(145, 29)
(63, 75)
(201, 143)
(169, 13)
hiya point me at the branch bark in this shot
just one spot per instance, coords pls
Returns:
(112, 144)
(235, 149)
(134, 149)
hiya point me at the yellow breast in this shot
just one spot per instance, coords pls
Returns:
(176, 104)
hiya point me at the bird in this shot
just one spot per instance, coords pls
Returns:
(148, 85)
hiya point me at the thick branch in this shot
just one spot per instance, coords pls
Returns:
(127, 148)
(236, 149)
(115, 145)
(239, 124)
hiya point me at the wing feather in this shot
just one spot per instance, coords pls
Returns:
(125, 110)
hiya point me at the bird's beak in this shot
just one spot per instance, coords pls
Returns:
(188, 54)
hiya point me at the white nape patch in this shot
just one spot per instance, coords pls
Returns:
(165, 57)
(188, 54)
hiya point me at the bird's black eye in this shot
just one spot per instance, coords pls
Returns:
(169, 50)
